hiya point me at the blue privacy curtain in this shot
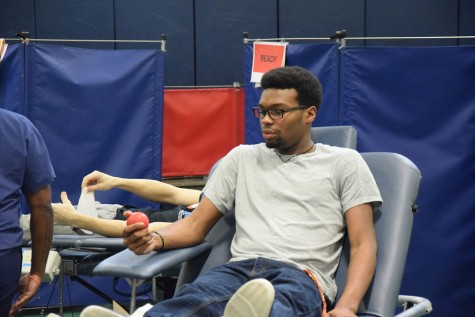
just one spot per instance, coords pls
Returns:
(420, 102)
(97, 109)
(321, 59)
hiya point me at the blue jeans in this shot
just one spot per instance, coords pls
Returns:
(295, 292)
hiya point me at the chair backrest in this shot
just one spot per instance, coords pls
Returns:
(398, 180)
(222, 233)
(342, 136)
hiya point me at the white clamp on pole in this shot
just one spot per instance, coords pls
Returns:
(164, 41)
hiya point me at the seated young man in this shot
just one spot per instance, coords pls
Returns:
(65, 214)
(293, 202)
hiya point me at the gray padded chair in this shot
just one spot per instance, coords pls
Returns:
(342, 136)
(398, 180)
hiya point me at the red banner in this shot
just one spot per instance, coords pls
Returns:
(199, 127)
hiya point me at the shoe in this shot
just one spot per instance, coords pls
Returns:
(98, 311)
(253, 299)
(139, 312)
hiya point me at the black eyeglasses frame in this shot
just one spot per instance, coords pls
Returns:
(274, 114)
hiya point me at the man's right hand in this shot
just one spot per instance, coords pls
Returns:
(137, 238)
(98, 181)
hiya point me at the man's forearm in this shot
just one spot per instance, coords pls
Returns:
(360, 274)
(183, 233)
(105, 227)
(41, 227)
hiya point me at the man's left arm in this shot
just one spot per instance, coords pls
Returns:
(362, 238)
(41, 226)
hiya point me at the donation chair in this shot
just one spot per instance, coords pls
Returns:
(144, 267)
(398, 181)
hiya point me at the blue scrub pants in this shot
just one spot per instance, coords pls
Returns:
(10, 270)
(296, 294)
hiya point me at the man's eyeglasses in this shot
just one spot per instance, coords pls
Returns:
(274, 114)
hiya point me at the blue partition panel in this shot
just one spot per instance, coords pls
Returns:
(403, 18)
(79, 20)
(321, 59)
(466, 22)
(17, 16)
(148, 20)
(420, 102)
(321, 19)
(97, 109)
(219, 34)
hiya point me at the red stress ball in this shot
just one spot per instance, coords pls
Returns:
(138, 216)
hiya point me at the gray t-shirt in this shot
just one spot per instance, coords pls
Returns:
(294, 214)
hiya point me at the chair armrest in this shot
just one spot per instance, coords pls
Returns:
(414, 306)
(90, 241)
(128, 264)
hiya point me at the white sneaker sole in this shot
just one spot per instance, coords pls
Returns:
(98, 311)
(253, 299)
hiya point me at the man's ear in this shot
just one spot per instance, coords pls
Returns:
(311, 113)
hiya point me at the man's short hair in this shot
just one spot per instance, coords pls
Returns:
(308, 87)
